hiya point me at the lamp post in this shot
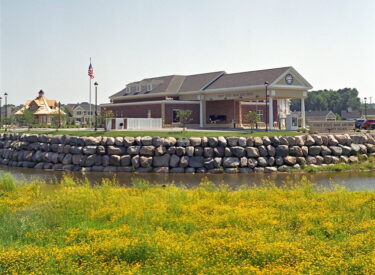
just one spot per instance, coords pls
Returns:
(6, 109)
(365, 108)
(266, 84)
(96, 105)
(0, 112)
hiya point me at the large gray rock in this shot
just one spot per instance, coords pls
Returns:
(184, 161)
(147, 150)
(270, 169)
(208, 152)
(198, 151)
(231, 162)
(145, 162)
(227, 152)
(258, 141)
(113, 150)
(237, 151)
(125, 160)
(218, 162)
(271, 150)
(300, 140)
(263, 151)
(183, 142)
(110, 141)
(252, 152)
(242, 142)
(318, 139)
(134, 150)
(196, 162)
(346, 150)
(89, 150)
(309, 140)
(160, 150)
(282, 150)
(314, 150)
(195, 141)
(222, 141)
(161, 161)
(325, 150)
(262, 161)
(128, 141)
(114, 160)
(332, 141)
(180, 151)
(284, 141)
(119, 141)
(232, 141)
(100, 150)
(169, 141)
(275, 141)
(135, 161)
(189, 151)
(105, 160)
(146, 141)
(174, 161)
(67, 159)
(177, 170)
(296, 151)
(336, 150)
(157, 141)
(212, 141)
(208, 163)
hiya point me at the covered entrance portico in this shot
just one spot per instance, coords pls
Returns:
(269, 100)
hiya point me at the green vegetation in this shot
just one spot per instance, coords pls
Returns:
(330, 100)
(166, 133)
(71, 228)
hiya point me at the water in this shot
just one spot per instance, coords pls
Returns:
(351, 180)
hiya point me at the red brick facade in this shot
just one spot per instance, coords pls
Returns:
(136, 111)
(193, 107)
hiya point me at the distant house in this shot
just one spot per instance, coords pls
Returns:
(320, 116)
(81, 112)
(42, 109)
(346, 115)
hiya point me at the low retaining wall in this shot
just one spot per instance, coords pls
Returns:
(183, 155)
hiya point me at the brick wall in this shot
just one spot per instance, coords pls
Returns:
(193, 107)
(136, 111)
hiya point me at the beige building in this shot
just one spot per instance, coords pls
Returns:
(42, 109)
(81, 112)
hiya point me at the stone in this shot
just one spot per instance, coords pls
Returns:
(258, 141)
(305, 151)
(290, 160)
(262, 161)
(145, 162)
(263, 151)
(259, 169)
(318, 139)
(344, 159)
(327, 159)
(97, 168)
(208, 163)
(147, 150)
(208, 152)
(282, 168)
(89, 150)
(110, 169)
(172, 150)
(252, 152)
(184, 161)
(362, 149)
(325, 150)
(237, 151)
(76, 159)
(212, 141)
(282, 150)
(105, 160)
(314, 150)
(231, 170)
(243, 162)
(309, 140)
(114, 160)
(355, 149)
(110, 141)
(279, 161)
(231, 162)
(90, 161)
(242, 142)
(180, 151)
(128, 141)
(353, 159)
(114, 150)
(332, 141)
(195, 141)
(157, 141)
(146, 141)
(135, 161)
(174, 161)
(296, 166)
(126, 169)
(232, 141)
(160, 150)
(100, 150)
(169, 141)
(346, 150)
(215, 171)
(250, 142)
(119, 141)
(271, 150)
(196, 161)
(204, 141)
(275, 141)
(222, 141)
(301, 161)
(201, 170)
(252, 162)
(300, 141)
(296, 151)
(125, 160)
(218, 162)
(319, 160)
(227, 152)
(244, 170)
(183, 142)
(336, 150)
(161, 170)
(266, 141)
(177, 170)
(67, 159)
(190, 170)
(161, 161)
(310, 160)
(270, 169)
(189, 151)
(198, 151)
(271, 161)
(284, 141)
(134, 150)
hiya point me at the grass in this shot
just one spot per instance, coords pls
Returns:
(166, 133)
(106, 229)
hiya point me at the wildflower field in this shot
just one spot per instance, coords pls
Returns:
(78, 228)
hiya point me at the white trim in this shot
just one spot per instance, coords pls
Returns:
(292, 71)
(150, 102)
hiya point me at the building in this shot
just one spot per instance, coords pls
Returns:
(42, 109)
(216, 99)
(320, 116)
(81, 112)
(353, 115)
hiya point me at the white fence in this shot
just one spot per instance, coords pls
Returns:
(133, 123)
(144, 123)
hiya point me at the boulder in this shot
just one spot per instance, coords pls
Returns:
(242, 142)
(119, 141)
(157, 141)
(232, 141)
(180, 151)
(147, 150)
(183, 142)
(161, 161)
(270, 169)
(160, 150)
(125, 160)
(198, 151)
(189, 151)
(114, 160)
(336, 150)
(135, 161)
(222, 141)
(231, 162)
(314, 150)
(196, 161)
(114, 150)
(282, 150)
(212, 141)
(184, 161)
(177, 170)
(258, 141)
(195, 141)
(208, 152)
(290, 160)
(134, 150)
(238, 151)
(252, 152)
(309, 140)
(263, 151)
(145, 162)
(296, 151)
(146, 141)
(266, 141)
(262, 161)
(128, 141)
(89, 150)
(174, 161)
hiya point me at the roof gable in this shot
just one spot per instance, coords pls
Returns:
(298, 80)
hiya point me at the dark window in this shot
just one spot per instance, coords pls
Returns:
(175, 119)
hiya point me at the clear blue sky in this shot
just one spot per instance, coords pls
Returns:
(46, 44)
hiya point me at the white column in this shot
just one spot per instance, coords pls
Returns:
(303, 113)
(202, 111)
(270, 113)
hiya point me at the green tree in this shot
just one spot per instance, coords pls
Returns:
(184, 117)
(27, 118)
(252, 118)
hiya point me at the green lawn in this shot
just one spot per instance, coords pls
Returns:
(166, 133)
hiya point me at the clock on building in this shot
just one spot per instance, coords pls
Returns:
(289, 79)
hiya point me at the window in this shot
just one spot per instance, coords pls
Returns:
(78, 113)
(149, 87)
(128, 89)
(139, 88)
(175, 119)
(148, 113)
(260, 115)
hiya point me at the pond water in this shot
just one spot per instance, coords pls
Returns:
(351, 180)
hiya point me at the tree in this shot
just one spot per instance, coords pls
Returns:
(252, 118)
(184, 116)
(104, 115)
(27, 118)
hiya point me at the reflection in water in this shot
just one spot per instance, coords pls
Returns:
(352, 181)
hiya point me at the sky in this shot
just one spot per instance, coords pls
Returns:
(46, 44)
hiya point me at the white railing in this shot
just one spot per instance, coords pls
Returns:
(144, 123)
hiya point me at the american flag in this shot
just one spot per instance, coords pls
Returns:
(91, 72)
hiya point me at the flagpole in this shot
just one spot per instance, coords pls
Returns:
(90, 100)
